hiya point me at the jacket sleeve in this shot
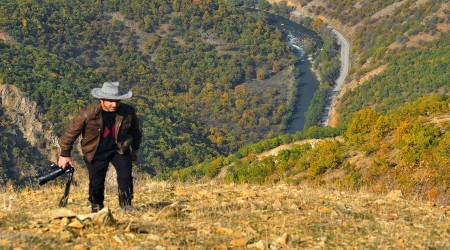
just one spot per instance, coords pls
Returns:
(135, 131)
(71, 133)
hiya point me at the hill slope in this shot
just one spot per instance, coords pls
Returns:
(188, 216)
(406, 148)
(186, 64)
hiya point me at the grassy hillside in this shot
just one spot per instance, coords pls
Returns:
(213, 216)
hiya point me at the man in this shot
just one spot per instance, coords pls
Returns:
(109, 129)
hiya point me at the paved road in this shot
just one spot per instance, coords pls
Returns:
(345, 59)
(345, 67)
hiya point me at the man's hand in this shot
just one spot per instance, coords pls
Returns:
(134, 155)
(63, 160)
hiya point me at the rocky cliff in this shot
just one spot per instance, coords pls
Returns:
(25, 114)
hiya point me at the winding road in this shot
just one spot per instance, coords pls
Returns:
(345, 68)
(345, 59)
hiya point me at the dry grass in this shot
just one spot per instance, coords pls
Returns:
(216, 216)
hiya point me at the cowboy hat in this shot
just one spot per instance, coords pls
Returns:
(111, 91)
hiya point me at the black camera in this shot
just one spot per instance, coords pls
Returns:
(55, 172)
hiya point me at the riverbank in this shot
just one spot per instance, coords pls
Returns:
(305, 83)
(330, 115)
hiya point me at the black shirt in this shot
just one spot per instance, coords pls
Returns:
(107, 145)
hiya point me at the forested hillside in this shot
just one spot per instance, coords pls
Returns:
(406, 149)
(186, 62)
(415, 49)
(410, 74)
(212, 85)
(189, 61)
(393, 115)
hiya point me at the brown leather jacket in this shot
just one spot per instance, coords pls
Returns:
(89, 123)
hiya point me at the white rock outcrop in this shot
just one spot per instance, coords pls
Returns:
(24, 113)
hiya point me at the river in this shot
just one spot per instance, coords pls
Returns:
(307, 80)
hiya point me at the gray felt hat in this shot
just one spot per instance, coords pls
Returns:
(111, 91)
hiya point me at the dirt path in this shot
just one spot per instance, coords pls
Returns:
(276, 150)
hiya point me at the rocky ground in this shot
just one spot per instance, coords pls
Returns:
(217, 216)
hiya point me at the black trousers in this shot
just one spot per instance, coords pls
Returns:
(97, 173)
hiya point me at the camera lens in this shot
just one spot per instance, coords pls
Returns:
(50, 176)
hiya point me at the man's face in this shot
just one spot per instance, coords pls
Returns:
(110, 105)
